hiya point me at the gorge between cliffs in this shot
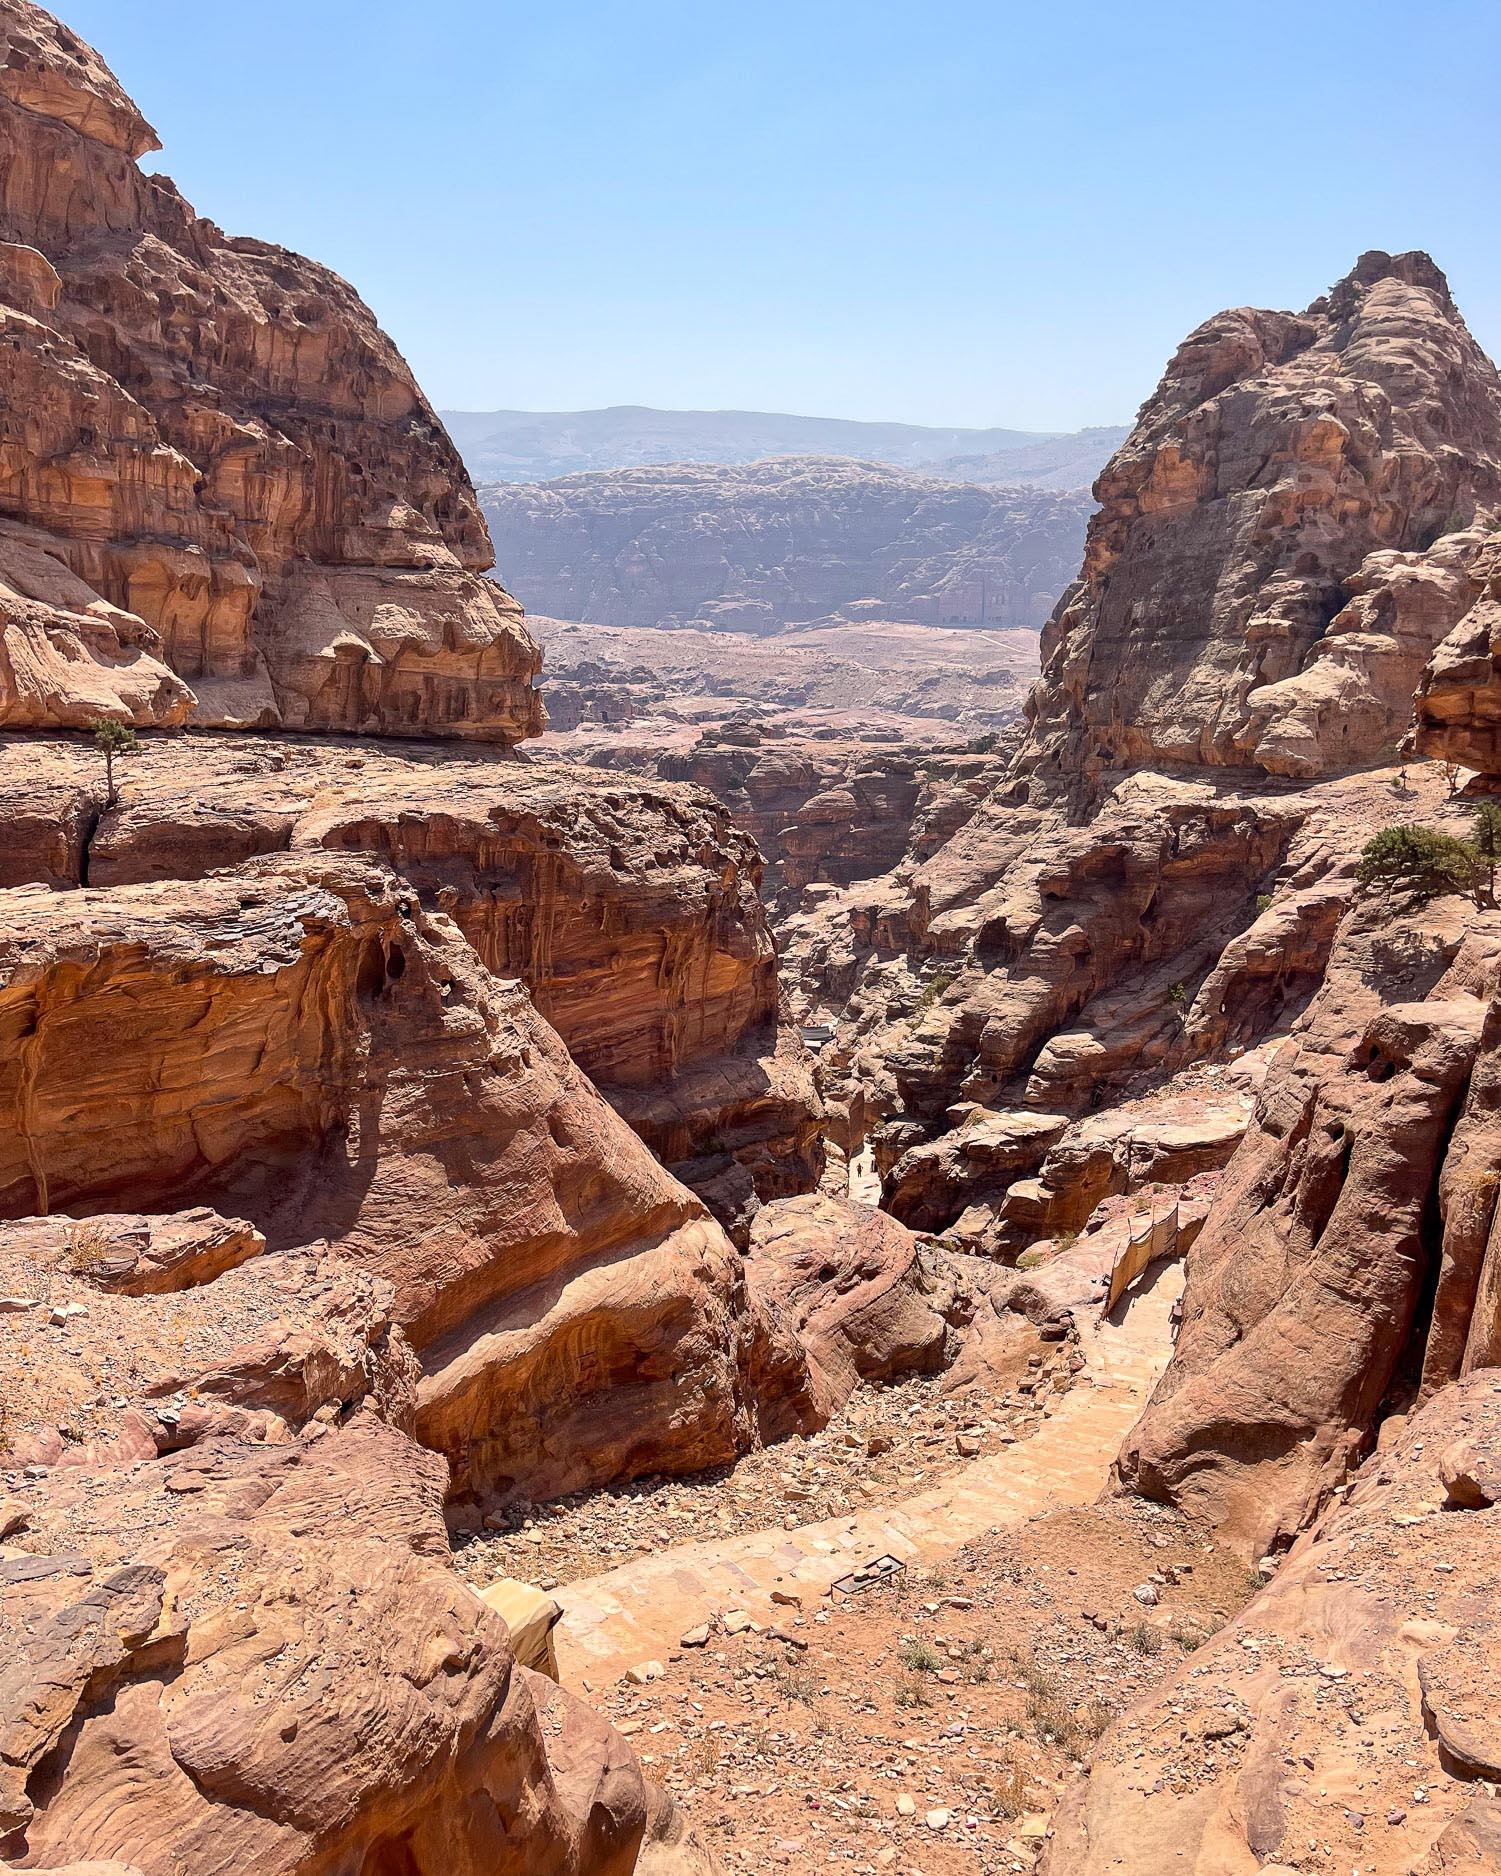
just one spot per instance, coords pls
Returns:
(789, 1238)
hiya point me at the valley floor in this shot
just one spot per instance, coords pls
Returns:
(928, 1725)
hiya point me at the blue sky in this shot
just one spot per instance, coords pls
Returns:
(938, 211)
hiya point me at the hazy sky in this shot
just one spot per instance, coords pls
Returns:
(944, 211)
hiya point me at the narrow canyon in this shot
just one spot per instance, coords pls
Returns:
(877, 1245)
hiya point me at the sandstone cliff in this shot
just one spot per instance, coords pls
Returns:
(792, 538)
(630, 910)
(1282, 545)
(1342, 1265)
(222, 496)
(1286, 462)
(299, 1043)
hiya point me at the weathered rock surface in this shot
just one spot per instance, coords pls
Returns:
(1458, 706)
(630, 910)
(261, 1350)
(1311, 1287)
(1027, 964)
(863, 1298)
(1352, 1705)
(299, 1044)
(225, 496)
(1227, 611)
(754, 547)
(249, 1651)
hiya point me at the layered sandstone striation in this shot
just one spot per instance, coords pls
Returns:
(752, 548)
(222, 496)
(1245, 600)
(232, 1636)
(630, 910)
(296, 1042)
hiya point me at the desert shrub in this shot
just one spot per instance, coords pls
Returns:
(1008, 1789)
(87, 1243)
(922, 1657)
(1425, 864)
(1143, 1639)
(933, 989)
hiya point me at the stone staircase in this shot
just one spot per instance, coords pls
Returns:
(639, 1611)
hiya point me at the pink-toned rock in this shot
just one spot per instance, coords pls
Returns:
(1278, 452)
(368, 1082)
(1307, 1282)
(226, 496)
(1352, 1703)
(859, 1293)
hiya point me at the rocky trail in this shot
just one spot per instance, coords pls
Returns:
(639, 1613)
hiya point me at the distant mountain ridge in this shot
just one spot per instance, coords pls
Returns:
(759, 546)
(539, 446)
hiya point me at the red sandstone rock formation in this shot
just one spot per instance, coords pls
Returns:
(861, 1296)
(1352, 1705)
(1458, 707)
(1281, 544)
(1212, 622)
(629, 910)
(230, 1637)
(1310, 1288)
(223, 494)
(297, 1042)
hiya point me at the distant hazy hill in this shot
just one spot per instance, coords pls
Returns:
(1056, 462)
(754, 547)
(536, 446)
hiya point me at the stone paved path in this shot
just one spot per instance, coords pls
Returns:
(639, 1611)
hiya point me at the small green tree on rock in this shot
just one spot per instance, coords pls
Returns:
(1487, 841)
(113, 739)
(1425, 864)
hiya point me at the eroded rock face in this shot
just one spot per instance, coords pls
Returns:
(861, 1295)
(1224, 616)
(1457, 715)
(368, 1082)
(630, 910)
(225, 497)
(1310, 1290)
(1353, 1703)
(231, 1636)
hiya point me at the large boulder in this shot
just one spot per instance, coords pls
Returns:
(857, 1290)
